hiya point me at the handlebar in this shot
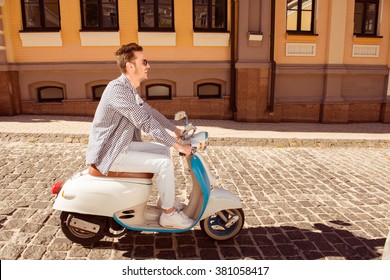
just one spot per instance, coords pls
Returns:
(186, 131)
(198, 141)
(193, 151)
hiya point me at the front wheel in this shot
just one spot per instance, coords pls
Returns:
(224, 224)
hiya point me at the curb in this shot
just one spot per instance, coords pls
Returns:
(214, 141)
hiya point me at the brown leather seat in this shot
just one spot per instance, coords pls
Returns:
(140, 175)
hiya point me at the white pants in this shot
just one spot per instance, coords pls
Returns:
(151, 158)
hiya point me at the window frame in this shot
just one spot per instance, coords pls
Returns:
(169, 97)
(93, 88)
(219, 86)
(155, 28)
(43, 27)
(364, 18)
(49, 100)
(299, 30)
(100, 17)
(209, 27)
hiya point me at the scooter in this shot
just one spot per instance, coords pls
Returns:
(94, 205)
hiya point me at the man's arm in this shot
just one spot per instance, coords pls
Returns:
(160, 118)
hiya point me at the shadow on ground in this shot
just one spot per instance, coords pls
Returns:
(277, 243)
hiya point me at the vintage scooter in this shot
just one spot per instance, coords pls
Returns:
(94, 205)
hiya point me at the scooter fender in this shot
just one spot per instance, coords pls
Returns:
(102, 196)
(220, 199)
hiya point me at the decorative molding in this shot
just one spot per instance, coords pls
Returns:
(255, 36)
(157, 39)
(99, 39)
(301, 49)
(365, 50)
(211, 39)
(41, 39)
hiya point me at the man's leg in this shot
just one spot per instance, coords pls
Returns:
(152, 158)
(155, 158)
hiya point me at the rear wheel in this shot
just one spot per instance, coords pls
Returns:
(224, 224)
(93, 230)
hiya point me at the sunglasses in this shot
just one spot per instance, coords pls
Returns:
(145, 62)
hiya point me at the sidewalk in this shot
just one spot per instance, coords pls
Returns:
(218, 129)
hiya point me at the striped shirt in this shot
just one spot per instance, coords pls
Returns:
(119, 119)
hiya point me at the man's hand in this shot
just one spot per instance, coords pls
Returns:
(179, 133)
(184, 150)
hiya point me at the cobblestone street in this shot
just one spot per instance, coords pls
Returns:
(299, 202)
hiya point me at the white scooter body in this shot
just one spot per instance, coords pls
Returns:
(126, 199)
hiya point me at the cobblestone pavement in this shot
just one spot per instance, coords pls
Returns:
(299, 202)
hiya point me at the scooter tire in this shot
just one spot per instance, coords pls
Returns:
(80, 236)
(215, 227)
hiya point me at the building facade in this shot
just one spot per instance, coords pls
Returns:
(248, 60)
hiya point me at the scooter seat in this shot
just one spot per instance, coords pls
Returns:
(93, 171)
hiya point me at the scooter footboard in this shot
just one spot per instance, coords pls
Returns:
(220, 199)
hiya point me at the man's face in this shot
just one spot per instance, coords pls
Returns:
(141, 67)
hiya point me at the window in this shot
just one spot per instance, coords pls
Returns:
(210, 15)
(209, 90)
(99, 14)
(158, 91)
(97, 91)
(155, 15)
(300, 16)
(366, 17)
(50, 94)
(41, 15)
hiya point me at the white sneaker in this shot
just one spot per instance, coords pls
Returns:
(175, 219)
(176, 204)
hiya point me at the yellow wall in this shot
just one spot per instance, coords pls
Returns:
(128, 24)
(382, 42)
(281, 37)
(329, 41)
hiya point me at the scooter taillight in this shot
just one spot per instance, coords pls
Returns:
(55, 189)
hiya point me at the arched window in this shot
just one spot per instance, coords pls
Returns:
(158, 91)
(50, 94)
(209, 90)
(97, 91)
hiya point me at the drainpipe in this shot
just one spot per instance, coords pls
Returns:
(272, 61)
(233, 60)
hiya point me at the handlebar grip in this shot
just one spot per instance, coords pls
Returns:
(193, 151)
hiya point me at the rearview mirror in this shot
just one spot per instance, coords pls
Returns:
(180, 115)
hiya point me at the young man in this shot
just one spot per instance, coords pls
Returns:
(115, 140)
